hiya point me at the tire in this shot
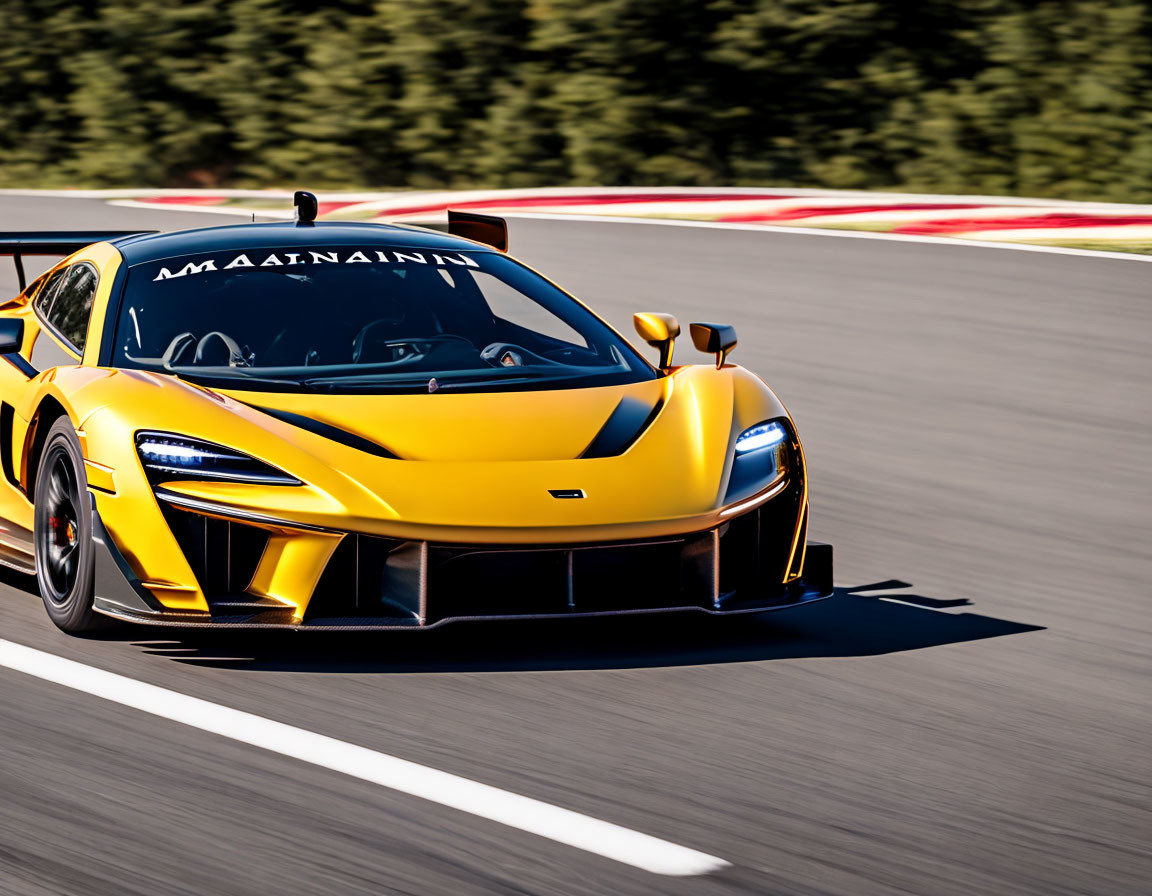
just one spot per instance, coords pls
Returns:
(63, 533)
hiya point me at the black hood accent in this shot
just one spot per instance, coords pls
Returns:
(623, 427)
(328, 431)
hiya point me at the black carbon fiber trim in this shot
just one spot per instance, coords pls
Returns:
(328, 431)
(116, 583)
(349, 624)
(623, 427)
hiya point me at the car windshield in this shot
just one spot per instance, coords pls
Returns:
(364, 319)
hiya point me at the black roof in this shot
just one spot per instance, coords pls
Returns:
(156, 246)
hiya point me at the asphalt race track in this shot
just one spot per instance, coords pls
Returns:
(977, 423)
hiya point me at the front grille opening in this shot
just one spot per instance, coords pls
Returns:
(501, 582)
(642, 577)
(743, 562)
(223, 554)
(367, 577)
(740, 563)
(544, 581)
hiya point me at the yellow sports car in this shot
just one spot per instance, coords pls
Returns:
(350, 425)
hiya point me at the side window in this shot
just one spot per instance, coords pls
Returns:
(513, 306)
(48, 287)
(70, 307)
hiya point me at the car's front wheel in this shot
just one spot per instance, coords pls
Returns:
(63, 532)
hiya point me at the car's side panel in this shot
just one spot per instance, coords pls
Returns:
(15, 509)
(26, 380)
(16, 392)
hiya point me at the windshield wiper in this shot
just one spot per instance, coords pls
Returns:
(232, 381)
(432, 383)
(366, 379)
(472, 384)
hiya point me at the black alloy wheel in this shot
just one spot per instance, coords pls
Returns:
(63, 532)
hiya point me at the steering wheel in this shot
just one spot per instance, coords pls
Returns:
(179, 351)
(214, 349)
(218, 349)
(508, 354)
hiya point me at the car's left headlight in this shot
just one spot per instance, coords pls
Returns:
(761, 458)
(168, 456)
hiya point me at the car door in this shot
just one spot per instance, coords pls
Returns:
(17, 387)
(55, 331)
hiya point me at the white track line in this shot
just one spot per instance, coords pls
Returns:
(234, 210)
(535, 817)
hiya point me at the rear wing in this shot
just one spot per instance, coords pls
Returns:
(487, 229)
(54, 242)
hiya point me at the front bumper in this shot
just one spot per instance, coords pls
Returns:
(754, 562)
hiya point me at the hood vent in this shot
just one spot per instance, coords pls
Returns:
(328, 431)
(623, 427)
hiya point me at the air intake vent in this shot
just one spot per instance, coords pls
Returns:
(367, 577)
(223, 554)
(328, 431)
(623, 427)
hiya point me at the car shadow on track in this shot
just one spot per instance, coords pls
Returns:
(867, 620)
(855, 622)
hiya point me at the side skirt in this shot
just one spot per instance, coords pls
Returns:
(16, 548)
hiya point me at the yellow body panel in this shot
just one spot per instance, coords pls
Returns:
(291, 566)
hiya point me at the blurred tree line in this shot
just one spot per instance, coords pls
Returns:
(1045, 98)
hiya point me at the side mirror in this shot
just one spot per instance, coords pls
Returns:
(659, 331)
(487, 229)
(11, 335)
(717, 339)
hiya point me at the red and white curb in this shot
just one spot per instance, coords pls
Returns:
(1084, 225)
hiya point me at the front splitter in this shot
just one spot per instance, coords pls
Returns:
(206, 621)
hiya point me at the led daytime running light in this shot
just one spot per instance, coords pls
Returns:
(167, 456)
(763, 435)
(174, 453)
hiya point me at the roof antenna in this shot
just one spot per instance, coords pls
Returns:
(306, 207)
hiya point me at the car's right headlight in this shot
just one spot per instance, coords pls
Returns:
(168, 456)
(761, 458)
